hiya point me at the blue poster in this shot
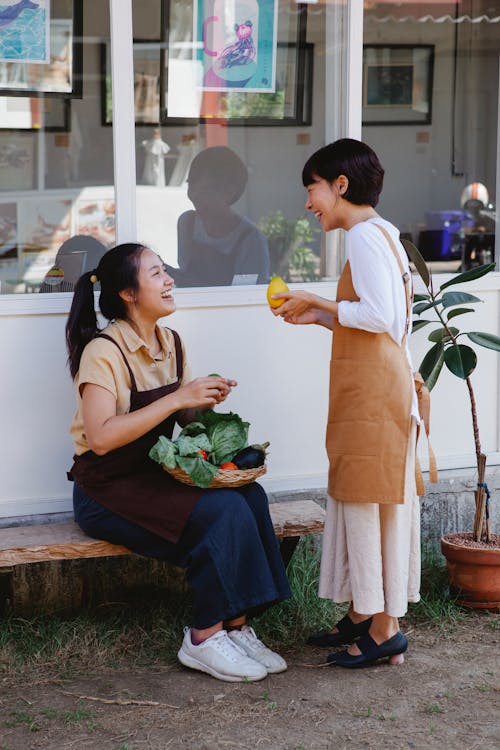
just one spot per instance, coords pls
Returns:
(24, 31)
(236, 44)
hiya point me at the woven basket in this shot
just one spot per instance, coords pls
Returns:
(223, 478)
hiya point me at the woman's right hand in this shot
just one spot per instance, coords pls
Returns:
(204, 392)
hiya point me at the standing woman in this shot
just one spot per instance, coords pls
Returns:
(133, 384)
(371, 542)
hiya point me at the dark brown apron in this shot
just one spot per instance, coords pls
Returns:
(128, 482)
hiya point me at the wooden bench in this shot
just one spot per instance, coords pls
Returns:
(22, 545)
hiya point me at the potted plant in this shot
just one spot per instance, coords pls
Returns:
(473, 557)
(290, 251)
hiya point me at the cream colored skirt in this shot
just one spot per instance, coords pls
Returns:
(371, 552)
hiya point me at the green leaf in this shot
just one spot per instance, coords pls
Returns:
(441, 334)
(430, 360)
(189, 446)
(417, 261)
(164, 451)
(420, 297)
(473, 273)
(459, 311)
(488, 340)
(227, 433)
(423, 306)
(192, 429)
(457, 298)
(418, 324)
(434, 374)
(201, 472)
(461, 360)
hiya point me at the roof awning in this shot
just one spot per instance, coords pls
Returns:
(433, 11)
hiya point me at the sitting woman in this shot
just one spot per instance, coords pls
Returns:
(133, 384)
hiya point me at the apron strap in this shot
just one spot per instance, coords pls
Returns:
(110, 338)
(423, 395)
(178, 354)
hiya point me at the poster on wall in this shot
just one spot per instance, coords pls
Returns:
(45, 225)
(17, 161)
(25, 31)
(8, 232)
(96, 218)
(59, 73)
(236, 43)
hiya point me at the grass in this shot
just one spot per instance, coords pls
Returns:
(149, 631)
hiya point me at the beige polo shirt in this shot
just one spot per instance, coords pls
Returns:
(102, 364)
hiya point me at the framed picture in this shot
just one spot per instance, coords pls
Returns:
(397, 84)
(205, 58)
(289, 104)
(18, 160)
(35, 113)
(147, 84)
(54, 26)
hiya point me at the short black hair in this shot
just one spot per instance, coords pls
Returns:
(354, 159)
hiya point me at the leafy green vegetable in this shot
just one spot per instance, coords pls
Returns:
(190, 446)
(201, 472)
(220, 435)
(164, 451)
(192, 429)
(228, 434)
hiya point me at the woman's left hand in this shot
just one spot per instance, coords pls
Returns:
(295, 304)
(225, 386)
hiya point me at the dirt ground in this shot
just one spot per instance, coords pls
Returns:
(446, 695)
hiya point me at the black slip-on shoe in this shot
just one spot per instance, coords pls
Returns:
(371, 652)
(348, 631)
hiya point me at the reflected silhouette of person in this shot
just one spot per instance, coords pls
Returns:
(215, 244)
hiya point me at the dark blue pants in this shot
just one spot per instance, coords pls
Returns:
(228, 548)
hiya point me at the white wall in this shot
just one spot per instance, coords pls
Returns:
(282, 392)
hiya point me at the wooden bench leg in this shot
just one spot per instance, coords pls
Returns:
(5, 588)
(287, 548)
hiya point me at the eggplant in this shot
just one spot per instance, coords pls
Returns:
(250, 457)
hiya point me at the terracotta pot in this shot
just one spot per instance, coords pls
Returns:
(474, 573)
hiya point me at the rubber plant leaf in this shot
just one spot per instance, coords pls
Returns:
(441, 334)
(430, 360)
(449, 299)
(488, 340)
(459, 311)
(473, 273)
(420, 297)
(461, 360)
(418, 324)
(421, 307)
(417, 261)
(434, 374)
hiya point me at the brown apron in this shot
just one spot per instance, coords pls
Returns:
(369, 416)
(128, 482)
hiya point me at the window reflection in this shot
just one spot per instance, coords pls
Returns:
(443, 170)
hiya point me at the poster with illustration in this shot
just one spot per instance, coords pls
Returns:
(8, 231)
(237, 41)
(96, 218)
(25, 31)
(44, 225)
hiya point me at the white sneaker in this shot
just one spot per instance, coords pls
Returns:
(220, 657)
(256, 650)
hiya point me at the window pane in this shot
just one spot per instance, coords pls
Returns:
(56, 159)
(227, 112)
(430, 110)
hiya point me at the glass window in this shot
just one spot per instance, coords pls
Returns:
(229, 104)
(430, 110)
(57, 208)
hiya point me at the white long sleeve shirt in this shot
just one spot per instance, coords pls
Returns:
(377, 281)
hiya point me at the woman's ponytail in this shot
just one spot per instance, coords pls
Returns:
(81, 326)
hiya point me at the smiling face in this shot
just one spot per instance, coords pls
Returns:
(153, 299)
(324, 200)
